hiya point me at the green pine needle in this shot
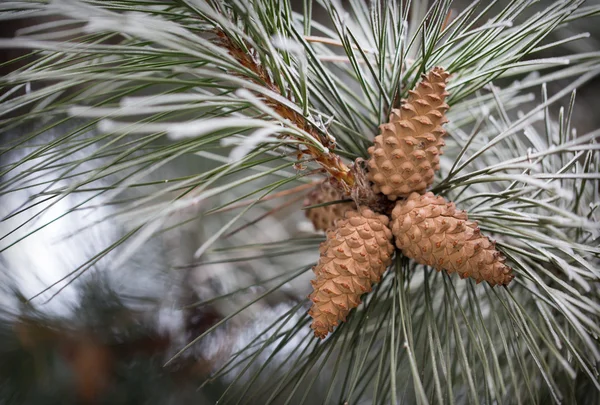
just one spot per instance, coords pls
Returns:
(135, 86)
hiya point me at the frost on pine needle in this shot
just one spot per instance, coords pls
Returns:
(214, 122)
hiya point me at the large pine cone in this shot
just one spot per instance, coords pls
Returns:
(405, 155)
(429, 230)
(324, 217)
(355, 255)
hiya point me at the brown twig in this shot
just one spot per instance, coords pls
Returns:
(331, 162)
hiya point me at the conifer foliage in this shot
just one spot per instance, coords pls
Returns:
(426, 138)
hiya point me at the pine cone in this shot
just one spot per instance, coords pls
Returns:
(405, 155)
(429, 230)
(355, 255)
(324, 217)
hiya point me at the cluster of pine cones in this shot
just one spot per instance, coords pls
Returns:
(426, 228)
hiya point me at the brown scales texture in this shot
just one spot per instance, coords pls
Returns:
(431, 231)
(405, 155)
(353, 257)
(324, 217)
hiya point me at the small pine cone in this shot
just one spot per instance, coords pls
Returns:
(431, 231)
(324, 217)
(355, 255)
(405, 155)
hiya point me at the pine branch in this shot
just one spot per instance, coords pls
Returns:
(328, 160)
(145, 117)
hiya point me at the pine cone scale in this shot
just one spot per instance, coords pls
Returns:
(324, 217)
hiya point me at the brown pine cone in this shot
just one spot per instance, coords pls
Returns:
(324, 217)
(355, 255)
(431, 231)
(405, 155)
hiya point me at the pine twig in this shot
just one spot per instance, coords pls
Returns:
(331, 162)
